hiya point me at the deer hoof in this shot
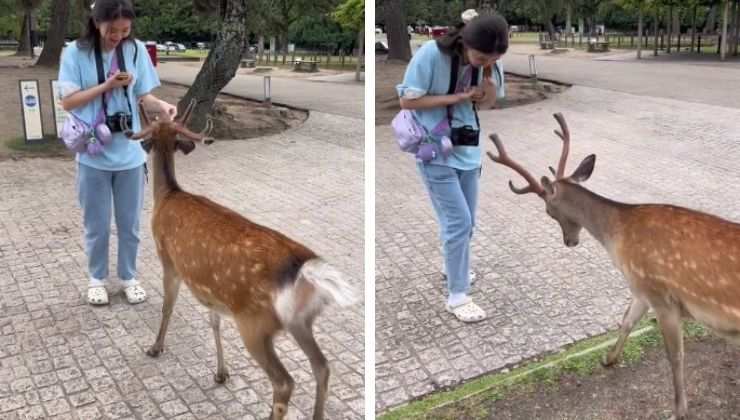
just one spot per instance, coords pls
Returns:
(154, 352)
(220, 378)
(607, 361)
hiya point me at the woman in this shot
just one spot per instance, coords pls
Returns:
(443, 81)
(97, 91)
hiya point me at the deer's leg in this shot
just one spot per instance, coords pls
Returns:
(669, 320)
(221, 372)
(303, 335)
(171, 289)
(258, 335)
(634, 313)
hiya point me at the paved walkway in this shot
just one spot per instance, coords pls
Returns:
(702, 82)
(539, 295)
(63, 359)
(332, 97)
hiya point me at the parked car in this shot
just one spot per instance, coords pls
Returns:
(171, 46)
(439, 31)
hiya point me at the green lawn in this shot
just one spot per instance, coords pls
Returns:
(50, 146)
(581, 358)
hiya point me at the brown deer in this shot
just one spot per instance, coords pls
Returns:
(680, 262)
(263, 280)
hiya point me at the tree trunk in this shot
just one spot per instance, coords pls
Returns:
(639, 34)
(360, 48)
(568, 19)
(580, 26)
(669, 24)
(260, 47)
(693, 30)
(220, 65)
(55, 35)
(24, 45)
(736, 23)
(655, 30)
(550, 29)
(84, 7)
(399, 45)
(723, 44)
(711, 21)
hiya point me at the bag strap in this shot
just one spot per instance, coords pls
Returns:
(454, 71)
(120, 62)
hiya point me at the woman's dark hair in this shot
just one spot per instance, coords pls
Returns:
(488, 34)
(106, 11)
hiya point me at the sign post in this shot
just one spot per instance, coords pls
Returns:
(31, 107)
(60, 115)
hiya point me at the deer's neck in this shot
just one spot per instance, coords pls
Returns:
(598, 215)
(163, 174)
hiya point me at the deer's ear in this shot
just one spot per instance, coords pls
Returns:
(547, 185)
(185, 146)
(584, 170)
(146, 145)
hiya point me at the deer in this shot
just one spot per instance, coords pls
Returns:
(260, 278)
(680, 262)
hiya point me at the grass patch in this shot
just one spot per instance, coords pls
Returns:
(49, 146)
(473, 398)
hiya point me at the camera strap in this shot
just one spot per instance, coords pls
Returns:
(117, 63)
(454, 70)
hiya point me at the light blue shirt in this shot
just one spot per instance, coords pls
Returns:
(428, 73)
(78, 71)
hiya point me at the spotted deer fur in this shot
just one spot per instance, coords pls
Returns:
(680, 262)
(259, 277)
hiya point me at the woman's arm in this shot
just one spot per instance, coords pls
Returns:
(435, 101)
(82, 97)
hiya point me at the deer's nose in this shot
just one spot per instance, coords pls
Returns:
(571, 242)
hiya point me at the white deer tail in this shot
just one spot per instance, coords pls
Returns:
(317, 285)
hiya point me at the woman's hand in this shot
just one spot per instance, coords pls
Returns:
(119, 79)
(167, 109)
(463, 96)
(479, 94)
(159, 108)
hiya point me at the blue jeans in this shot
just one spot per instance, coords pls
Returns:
(454, 195)
(99, 190)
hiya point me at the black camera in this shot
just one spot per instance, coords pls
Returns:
(119, 121)
(464, 136)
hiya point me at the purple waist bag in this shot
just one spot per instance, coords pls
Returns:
(75, 134)
(79, 137)
(412, 138)
(409, 133)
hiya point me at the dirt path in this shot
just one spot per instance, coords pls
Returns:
(643, 391)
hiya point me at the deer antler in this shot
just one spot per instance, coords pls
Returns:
(504, 159)
(202, 136)
(146, 132)
(143, 114)
(565, 135)
(186, 115)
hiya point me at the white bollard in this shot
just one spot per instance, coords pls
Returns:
(268, 95)
(532, 67)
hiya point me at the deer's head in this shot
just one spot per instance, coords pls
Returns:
(169, 136)
(552, 192)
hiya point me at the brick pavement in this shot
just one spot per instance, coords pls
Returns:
(63, 359)
(539, 295)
